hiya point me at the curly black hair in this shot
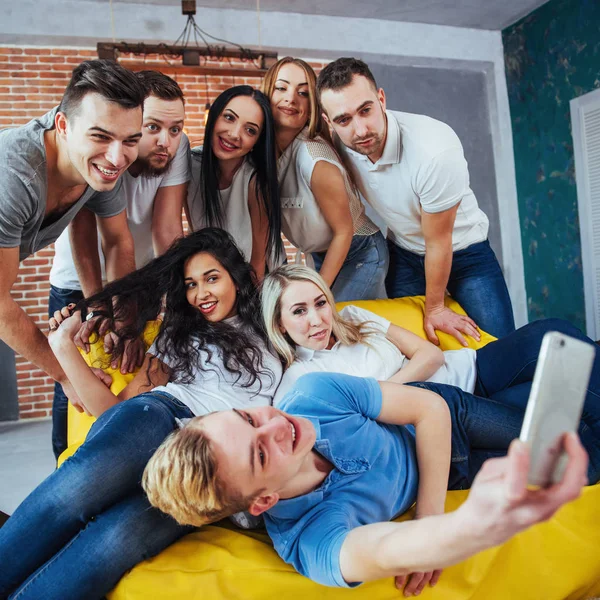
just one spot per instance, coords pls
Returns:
(159, 288)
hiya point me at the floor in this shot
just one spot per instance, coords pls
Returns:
(27, 459)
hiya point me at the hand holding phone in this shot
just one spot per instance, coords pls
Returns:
(555, 404)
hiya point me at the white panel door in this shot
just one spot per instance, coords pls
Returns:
(585, 119)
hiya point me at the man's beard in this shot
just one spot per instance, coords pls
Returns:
(373, 148)
(147, 169)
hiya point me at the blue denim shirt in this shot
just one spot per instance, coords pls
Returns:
(374, 479)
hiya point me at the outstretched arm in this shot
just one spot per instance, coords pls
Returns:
(499, 506)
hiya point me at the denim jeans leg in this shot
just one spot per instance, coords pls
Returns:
(481, 428)
(119, 538)
(58, 298)
(406, 273)
(104, 471)
(476, 282)
(362, 275)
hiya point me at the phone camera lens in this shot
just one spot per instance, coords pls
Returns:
(562, 343)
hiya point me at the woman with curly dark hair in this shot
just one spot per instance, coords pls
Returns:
(91, 518)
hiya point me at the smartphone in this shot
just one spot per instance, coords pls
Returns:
(555, 404)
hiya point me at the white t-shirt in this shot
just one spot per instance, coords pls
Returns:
(234, 200)
(216, 388)
(422, 167)
(302, 221)
(379, 359)
(140, 192)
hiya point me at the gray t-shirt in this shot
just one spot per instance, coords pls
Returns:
(23, 187)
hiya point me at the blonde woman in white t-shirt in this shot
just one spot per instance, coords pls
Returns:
(321, 212)
(310, 335)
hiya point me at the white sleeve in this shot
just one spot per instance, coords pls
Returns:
(179, 171)
(443, 182)
(355, 314)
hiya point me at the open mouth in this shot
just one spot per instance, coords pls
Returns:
(107, 174)
(294, 434)
(207, 307)
(319, 335)
(227, 146)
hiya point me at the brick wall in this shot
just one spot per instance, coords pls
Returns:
(32, 81)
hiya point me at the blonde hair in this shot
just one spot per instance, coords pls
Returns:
(316, 125)
(273, 287)
(181, 479)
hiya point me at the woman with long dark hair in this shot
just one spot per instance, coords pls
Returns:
(91, 518)
(321, 211)
(234, 176)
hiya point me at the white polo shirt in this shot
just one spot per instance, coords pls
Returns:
(378, 358)
(422, 167)
(140, 192)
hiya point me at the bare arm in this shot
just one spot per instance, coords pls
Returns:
(424, 358)
(428, 412)
(167, 225)
(437, 232)
(260, 231)
(17, 328)
(499, 506)
(83, 234)
(146, 380)
(117, 245)
(327, 185)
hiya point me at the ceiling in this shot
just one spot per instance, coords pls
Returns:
(477, 14)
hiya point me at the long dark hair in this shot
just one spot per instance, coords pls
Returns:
(263, 159)
(142, 295)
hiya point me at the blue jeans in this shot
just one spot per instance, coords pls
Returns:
(89, 522)
(58, 298)
(362, 276)
(484, 423)
(476, 282)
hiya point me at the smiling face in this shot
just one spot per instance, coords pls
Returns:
(306, 315)
(290, 98)
(357, 115)
(271, 449)
(101, 140)
(237, 129)
(162, 129)
(209, 287)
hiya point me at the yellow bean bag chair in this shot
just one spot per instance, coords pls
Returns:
(557, 560)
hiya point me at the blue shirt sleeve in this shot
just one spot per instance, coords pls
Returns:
(315, 551)
(337, 393)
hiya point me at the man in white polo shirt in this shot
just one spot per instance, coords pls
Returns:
(411, 169)
(155, 186)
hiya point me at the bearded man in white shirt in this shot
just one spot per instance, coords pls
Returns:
(411, 169)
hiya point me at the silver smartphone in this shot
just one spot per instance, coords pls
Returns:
(555, 403)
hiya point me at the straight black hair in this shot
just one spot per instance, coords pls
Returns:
(142, 295)
(112, 81)
(263, 159)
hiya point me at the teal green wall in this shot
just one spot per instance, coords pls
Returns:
(551, 56)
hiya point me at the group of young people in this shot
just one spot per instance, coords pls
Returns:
(341, 421)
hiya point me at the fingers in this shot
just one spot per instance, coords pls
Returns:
(133, 357)
(435, 577)
(517, 471)
(399, 581)
(576, 472)
(59, 316)
(457, 334)
(430, 332)
(82, 337)
(52, 324)
(105, 378)
(413, 587)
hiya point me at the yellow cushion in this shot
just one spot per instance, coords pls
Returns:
(558, 560)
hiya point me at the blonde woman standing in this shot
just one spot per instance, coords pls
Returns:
(321, 212)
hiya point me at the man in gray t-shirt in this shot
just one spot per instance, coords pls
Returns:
(53, 166)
